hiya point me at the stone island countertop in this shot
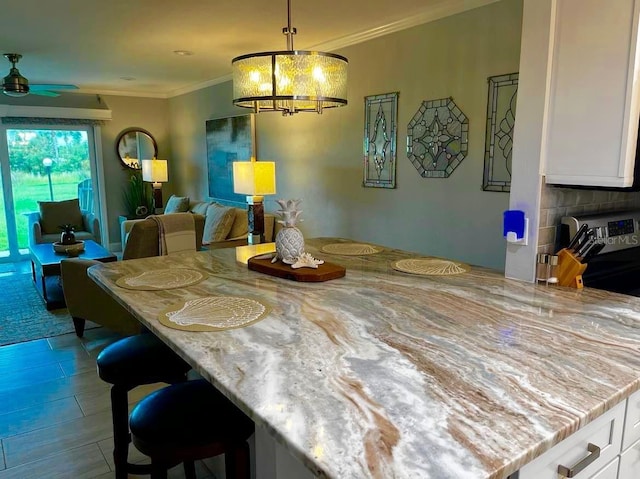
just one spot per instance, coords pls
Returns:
(383, 374)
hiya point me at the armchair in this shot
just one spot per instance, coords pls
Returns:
(88, 301)
(44, 224)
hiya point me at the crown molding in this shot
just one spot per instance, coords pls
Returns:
(199, 86)
(431, 14)
(139, 94)
(444, 9)
(164, 95)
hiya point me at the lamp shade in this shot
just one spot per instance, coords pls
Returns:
(155, 171)
(290, 81)
(254, 178)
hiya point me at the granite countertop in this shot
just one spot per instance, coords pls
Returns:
(384, 374)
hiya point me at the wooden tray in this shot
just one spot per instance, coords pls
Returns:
(325, 271)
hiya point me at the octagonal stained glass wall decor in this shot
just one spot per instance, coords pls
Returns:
(437, 138)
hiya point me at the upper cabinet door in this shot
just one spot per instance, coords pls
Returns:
(592, 112)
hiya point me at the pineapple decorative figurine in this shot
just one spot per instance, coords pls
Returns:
(68, 236)
(289, 240)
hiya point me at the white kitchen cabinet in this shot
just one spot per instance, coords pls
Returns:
(604, 432)
(610, 471)
(592, 107)
(632, 421)
(630, 462)
(274, 461)
(630, 457)
(616, 433)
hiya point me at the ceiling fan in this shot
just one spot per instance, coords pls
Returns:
(14, 84)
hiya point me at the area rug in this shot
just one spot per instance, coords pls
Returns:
(23, 315)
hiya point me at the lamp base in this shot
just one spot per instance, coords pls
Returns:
(253, 239)
(157, 197)
(255, 217)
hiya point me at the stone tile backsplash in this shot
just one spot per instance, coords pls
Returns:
(558, 202)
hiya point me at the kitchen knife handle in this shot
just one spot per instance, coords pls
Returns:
(574, 241)
(593, 251)
(584, 247)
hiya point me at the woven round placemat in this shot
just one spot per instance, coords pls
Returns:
(351, 249)
(430, 266)
(213, 313)
(159, 279)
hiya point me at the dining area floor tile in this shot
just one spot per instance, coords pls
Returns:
(56, 412)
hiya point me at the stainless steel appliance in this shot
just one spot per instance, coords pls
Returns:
(615, 239)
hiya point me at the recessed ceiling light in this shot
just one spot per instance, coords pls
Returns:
(127, 78)
(183, 53)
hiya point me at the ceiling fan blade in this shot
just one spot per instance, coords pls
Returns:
(44, 93)
(43, 86)
(16, 85)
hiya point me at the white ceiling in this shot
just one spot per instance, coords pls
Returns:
(97, 44)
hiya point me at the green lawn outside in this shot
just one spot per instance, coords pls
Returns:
(27, 191)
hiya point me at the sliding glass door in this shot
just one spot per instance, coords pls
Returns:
(41, 163)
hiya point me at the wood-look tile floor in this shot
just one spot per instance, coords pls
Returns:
(55, 416)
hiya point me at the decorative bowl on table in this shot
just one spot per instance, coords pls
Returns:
(71, 249)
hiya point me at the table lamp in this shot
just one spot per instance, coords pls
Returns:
(155, 171)
(254, 179)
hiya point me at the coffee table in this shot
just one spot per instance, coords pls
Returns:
(46, 262)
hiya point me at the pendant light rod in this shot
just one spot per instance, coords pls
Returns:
(289, 31)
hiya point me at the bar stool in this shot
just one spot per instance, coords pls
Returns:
(126, 364)
(190, 421)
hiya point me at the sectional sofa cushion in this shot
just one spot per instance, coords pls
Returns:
(218, 222)
(199, 207)
(240, 226)
(177, 204)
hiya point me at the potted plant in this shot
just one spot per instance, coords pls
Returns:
(138, 198)
(68, 236)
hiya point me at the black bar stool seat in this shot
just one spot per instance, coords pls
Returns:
(126, 364)
(190, 421)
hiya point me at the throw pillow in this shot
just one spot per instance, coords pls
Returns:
(199, 208)
(53, 214)
(217, 223)
(240, 227)
(177, 204)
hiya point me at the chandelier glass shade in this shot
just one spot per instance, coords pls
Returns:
(291, 80)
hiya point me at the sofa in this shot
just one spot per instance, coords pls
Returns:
(143, 242)
(224, 227)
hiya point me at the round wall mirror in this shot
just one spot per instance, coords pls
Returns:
(134, 145)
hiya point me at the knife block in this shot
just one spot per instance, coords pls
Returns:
(569, 270)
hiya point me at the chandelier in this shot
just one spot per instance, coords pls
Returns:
(289, 81)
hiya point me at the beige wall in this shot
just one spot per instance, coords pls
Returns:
(188, 116)
(148, 113)
(319, 157)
